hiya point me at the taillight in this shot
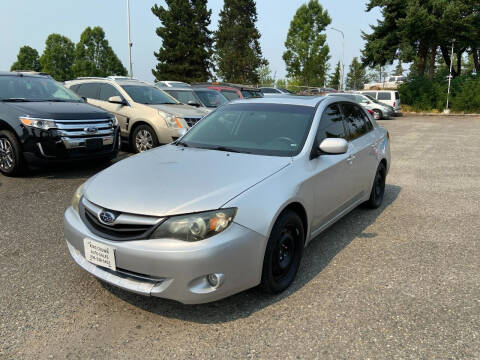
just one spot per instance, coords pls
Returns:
(394, 103)
(370, 112)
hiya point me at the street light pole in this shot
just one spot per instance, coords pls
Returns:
(129, 40)
(340, 87)
(450, 78)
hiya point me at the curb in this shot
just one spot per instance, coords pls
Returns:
(439, 114)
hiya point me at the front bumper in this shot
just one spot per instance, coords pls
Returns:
(42, 146)
(174, 269)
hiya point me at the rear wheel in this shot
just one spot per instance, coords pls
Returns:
(144, 138)
(377, 115)
(283, 253)
(11, 157)
(378, 188)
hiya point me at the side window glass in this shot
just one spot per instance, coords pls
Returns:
(107, 91)
(90, 90)
(355, 121)
(331, 124)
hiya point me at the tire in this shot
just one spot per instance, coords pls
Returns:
(143, 139)
(378, 188)
(283, 253)
(12, 162)
(377, 115)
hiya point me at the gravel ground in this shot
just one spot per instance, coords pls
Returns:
(399, 282)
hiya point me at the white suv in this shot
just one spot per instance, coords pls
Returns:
(148, 116)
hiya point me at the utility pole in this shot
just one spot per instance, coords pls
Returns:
(447, 110)
(129, 40)
(340, 87)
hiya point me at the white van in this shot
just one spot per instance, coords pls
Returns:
(389, 97)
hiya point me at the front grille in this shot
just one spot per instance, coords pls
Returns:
(85, 128)
(192, 120)
(126, 227)
(133, 275)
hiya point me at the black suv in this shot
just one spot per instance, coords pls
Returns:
(42, 121)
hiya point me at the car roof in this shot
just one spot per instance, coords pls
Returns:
(286, 100)
(24, 73)
(118, 81)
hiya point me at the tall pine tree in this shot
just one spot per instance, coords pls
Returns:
(357, 75)
(58, 56)
(237, 48)
(334, 81)
(187, 42)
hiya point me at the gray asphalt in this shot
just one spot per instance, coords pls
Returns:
(400, 282)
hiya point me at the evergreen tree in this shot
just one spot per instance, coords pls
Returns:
(27, 59)
(95, 57)
(357, 75)
(187, 42)
(334, 81)
(58, 57)
(237, 49)
(307, 53)
(398, 70)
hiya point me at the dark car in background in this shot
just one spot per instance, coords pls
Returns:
(207, 99)
(42, 121)
(232, 91)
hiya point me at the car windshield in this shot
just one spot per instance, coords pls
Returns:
(148, 95)
(262, 129)
(372, 99)
(251, 94)
(184, 96)
(211, 98)
(34, 88)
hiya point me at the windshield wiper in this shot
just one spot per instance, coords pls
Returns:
(227, 149)
(181, 143)
(15, 100)
(58, 100)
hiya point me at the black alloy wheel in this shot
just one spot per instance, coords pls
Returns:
(11, 159)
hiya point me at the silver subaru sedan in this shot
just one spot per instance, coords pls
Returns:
(231, 204)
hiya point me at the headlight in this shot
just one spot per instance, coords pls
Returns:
(77, 196)
(38, 123)
(172, 121)
(195, 227)
(114, 121)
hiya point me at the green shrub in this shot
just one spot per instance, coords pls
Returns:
(423, 94)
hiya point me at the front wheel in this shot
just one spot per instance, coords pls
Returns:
(144, 138)
(283, 253)
(378, 188)
(11, 158)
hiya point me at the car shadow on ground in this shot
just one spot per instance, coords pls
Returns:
(73, 170)
(318, 254)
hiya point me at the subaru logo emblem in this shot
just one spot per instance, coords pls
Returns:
(107, 217)
(90, 130)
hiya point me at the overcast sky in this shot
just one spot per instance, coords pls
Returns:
(29, 22)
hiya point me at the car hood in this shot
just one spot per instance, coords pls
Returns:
(181, 110)
(59, 110)
(175, 180)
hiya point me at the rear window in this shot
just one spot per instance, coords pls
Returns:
(384, 96)
(397, 95)
(230, 94)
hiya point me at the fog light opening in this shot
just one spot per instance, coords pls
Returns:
(215, 280)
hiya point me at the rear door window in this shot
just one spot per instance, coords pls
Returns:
(331, 124)
(397, 95)
(356, 122)
(90, 90)
(230, 94)
(383, 95)
(107, 91)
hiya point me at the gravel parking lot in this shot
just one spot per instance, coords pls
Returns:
(401, 282)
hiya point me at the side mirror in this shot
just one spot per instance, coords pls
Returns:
(193, 103)
(334, 146)
(117, 100)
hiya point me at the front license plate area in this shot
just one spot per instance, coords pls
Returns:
(94, 144)
(99, 254)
